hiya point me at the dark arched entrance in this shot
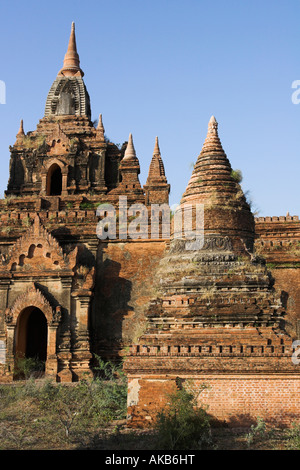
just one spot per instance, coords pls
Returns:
(54, 181)
(31, 334)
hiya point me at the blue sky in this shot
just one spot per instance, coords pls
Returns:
(163, 67)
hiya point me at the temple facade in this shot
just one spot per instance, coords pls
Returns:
(52, 258)
(224, 313)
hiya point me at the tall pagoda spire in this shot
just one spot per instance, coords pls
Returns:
(71, 61)
(68, 94)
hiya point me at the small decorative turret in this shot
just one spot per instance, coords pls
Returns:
(21, 130)
(156, 188)
(130, 150)
(129, 169)
(100, 127)
(156, 169)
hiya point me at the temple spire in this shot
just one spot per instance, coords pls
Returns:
(156, 188)
(71, 61)
(100, 123)
(100, 127)
(212, 140)
(130, 151)
(21, 129)
(68, 94)
(156, 169)
(156, 150)
(213, 185)
(212, 172)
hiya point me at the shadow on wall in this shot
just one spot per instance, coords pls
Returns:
(291, 320)
(109, 306)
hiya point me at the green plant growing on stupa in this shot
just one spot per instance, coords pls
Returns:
(237, 175)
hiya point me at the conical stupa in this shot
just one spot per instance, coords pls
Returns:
(214, 185)
(214, 299)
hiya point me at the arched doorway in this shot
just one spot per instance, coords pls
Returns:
(54, 180)
(31, 336)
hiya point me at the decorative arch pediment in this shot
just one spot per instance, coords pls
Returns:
(58, 142)
(38, 250)
(55, 161)
(33, 298)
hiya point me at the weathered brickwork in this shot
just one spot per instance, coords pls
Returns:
(125, 284)
(216, 312)
(234, 400)
(278, 240)
(59, 175)
(224, 313)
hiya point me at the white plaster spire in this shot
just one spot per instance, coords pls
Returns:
(130, 151)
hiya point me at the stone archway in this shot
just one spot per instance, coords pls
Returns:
(31, 314)
(54, 176)
(54, 180)
(31, 335)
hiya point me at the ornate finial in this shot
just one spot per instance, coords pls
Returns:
(71, 60)
(156, 169)
(212, 141)
(212, 123)
(130, 151)
(21, 129)
(156, 150)
(100, 126)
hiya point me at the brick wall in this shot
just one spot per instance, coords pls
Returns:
(125, 283)
(237, 400)
(287, 280)
(278, 241)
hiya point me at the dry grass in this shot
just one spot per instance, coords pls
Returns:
(26, 425)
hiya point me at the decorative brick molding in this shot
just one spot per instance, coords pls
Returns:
(33, 298)
(288, 218)
(23, 251)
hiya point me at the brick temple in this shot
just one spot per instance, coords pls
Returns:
(224, 314)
